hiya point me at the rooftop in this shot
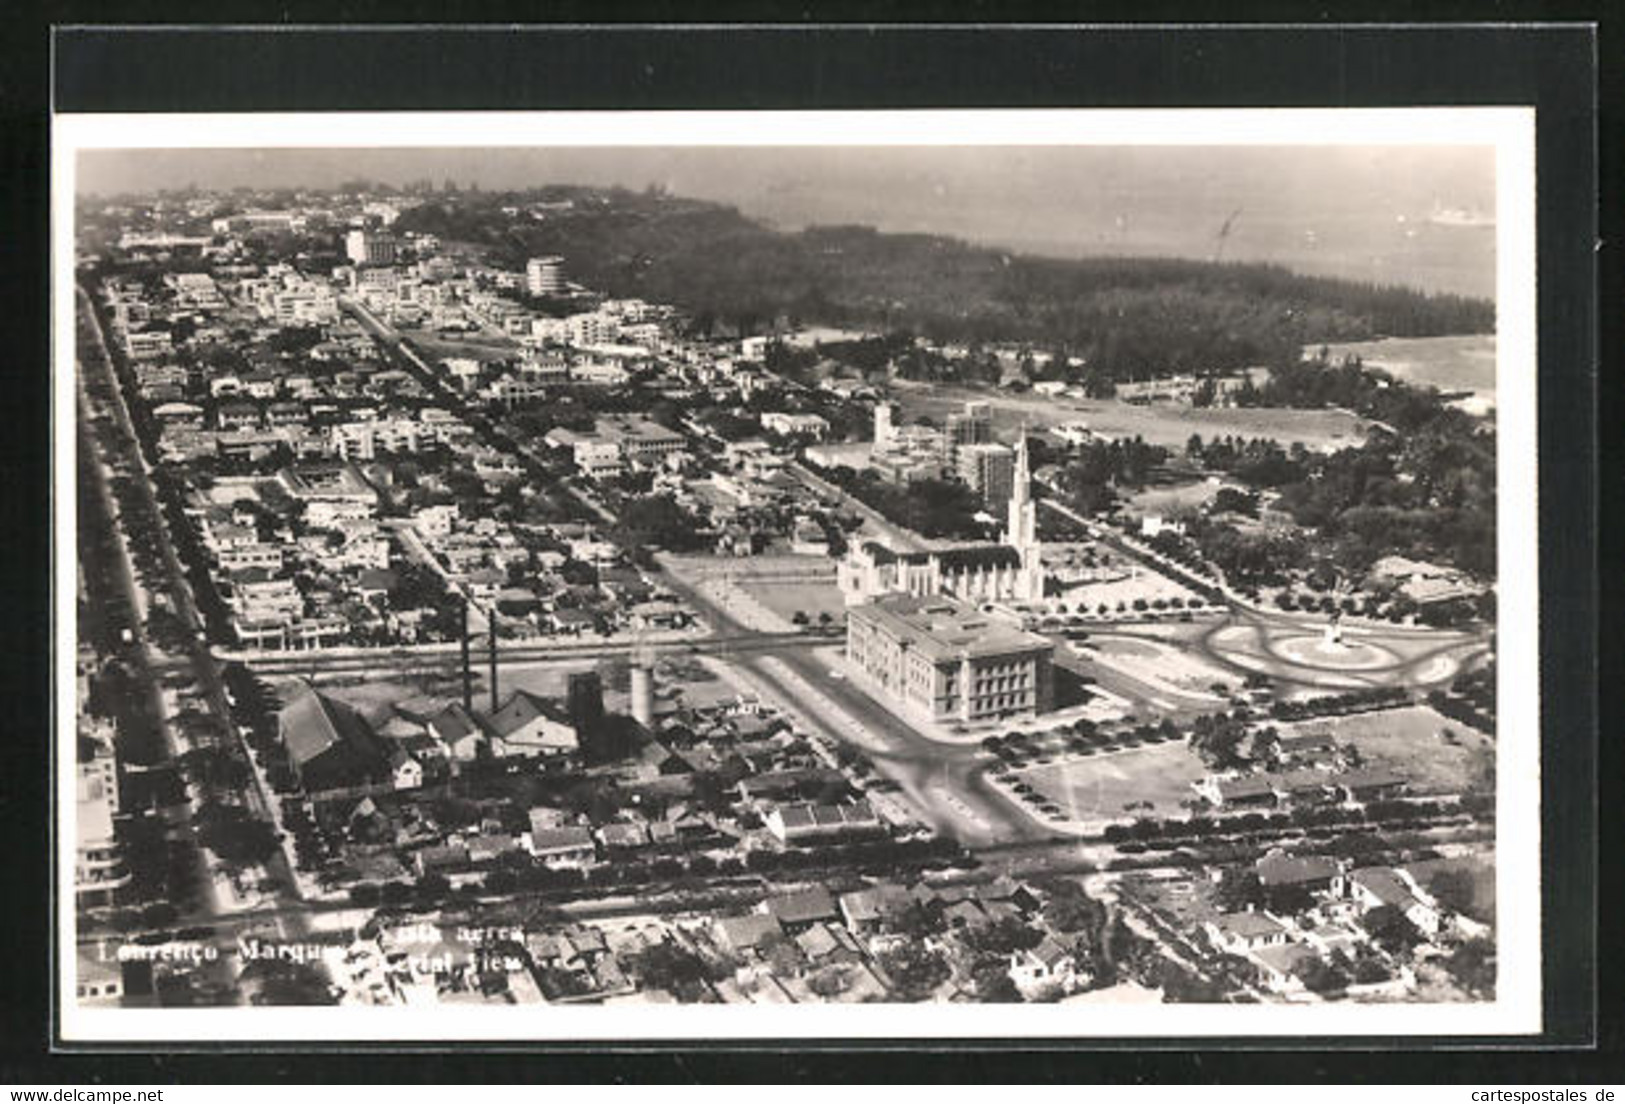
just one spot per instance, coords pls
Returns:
(747, 931)
(1384, 884)
(312, 723)
(522, 708)
(802, 906)
(552, 839)
(1248, 924)
(945, 629)
(1277, 869)
(1285, 959)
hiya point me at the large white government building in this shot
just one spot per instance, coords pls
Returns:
(943, 661)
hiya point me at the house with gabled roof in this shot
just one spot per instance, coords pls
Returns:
(800, 910)
(1369, 784)
(866, 910)
(330, 745)
(533, 727)
(827, 943)
(1310, 749)
(1245, 932)
(1315, 873)
(808, 822)
(563, 847)
(1047, 965)
(1282, 965)
(1376, 886)
(458, 731)
(747, 933)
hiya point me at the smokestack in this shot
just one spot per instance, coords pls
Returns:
(468, 673)
(643, 695)
(491, 621)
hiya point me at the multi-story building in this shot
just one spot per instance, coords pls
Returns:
(143, 344)
(785, 424)
(339, 486)
(251, 222)
(307, 305)
(98, 866)
(594, 456)
(244, 557)
(362, 440)
(196, 289)
(367, 247)
(989, 469)
(545, 276)
(640, 440)
(970, 426)
(594, 328)
(886, 424)
(944, 661)
(255, 598)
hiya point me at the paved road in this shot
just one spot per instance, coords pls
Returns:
(203, 666)
(385, 660)
(944, 780)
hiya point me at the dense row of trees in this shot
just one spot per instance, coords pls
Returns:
(1091, 473)
(1126, 317)
(1426, 491)
(934, 508)
(1469, 700)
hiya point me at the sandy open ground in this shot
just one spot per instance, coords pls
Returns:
(785, 598)
(1100, 786)
(1167, 424)
(1455, 363)
(1409, 742)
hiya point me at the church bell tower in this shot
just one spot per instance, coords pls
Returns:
(1022, 532)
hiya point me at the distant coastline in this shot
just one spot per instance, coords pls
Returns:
(1455, 365)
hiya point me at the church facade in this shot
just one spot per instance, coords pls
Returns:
(1012, 571)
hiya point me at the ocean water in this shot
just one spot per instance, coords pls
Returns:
(1451, 364)
(1359, 212)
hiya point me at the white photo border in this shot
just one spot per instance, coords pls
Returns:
(1517, 1007)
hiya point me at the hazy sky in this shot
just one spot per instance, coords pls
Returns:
(1351, 211)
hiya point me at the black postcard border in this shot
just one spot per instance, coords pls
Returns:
(1552, 67)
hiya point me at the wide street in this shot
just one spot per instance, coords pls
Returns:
(944, 780)
(197, 654)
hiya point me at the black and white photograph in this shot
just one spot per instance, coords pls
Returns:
(896, 573)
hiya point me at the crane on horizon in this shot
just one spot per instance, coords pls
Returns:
(1224, 235)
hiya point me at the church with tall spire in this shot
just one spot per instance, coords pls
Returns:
(1012, 571)
(1021, 532)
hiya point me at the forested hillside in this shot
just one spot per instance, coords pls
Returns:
(1128, 316)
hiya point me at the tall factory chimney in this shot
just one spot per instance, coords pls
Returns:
(468, 674)
(491, 621)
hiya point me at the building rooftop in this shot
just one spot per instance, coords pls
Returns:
(741, 932)
(802, 906)
(1288, 958)
(313, 722)
(1248, 924)
(560, 839)
(1277, 869)
(322, 480)
(1385, 885)
(943, 629)
(522, 708)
